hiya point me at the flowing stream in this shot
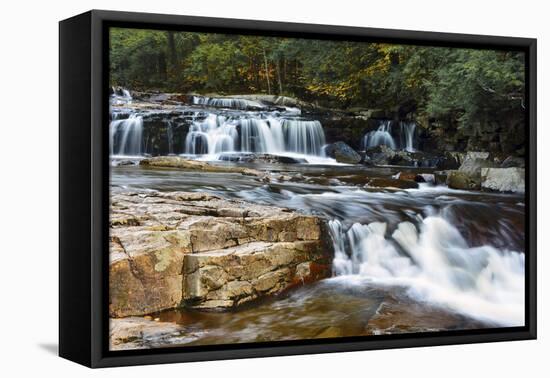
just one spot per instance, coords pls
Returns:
(388, 135)
(410, 260)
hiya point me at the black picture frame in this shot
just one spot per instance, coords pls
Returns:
(84, 189)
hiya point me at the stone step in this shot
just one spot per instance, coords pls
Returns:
(232, 276)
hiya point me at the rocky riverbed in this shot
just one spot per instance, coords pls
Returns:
(245, 219)
(200, 251)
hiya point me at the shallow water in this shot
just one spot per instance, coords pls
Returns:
(387, 277)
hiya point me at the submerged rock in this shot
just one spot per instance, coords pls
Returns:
(180, 162)
(264, 158)
(137, 333)
(411, 176)
(503, 179)
(392, 183)
(208, 251)
(342, 153)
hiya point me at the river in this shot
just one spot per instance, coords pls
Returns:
(406, 260)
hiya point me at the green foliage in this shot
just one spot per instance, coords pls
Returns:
(476, 84)
(465, 84)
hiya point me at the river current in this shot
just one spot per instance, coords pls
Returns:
(409, 260)
(406, 260)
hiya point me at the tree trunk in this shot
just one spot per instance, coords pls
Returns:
(172, 50)
(279, 77)
(267, 73)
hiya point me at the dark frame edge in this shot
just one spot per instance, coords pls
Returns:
(75, 291)
(531, 180)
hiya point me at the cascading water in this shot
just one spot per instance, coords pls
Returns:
(217, 134)
(125, 136)
(224, 102)
(406, 133)
(120, 96)
(436, 265)
(379, 137)
(383, 135)
(305, 137)
(170, 137)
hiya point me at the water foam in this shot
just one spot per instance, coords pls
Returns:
(436, 265)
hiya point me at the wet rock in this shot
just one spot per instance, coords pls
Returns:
(410, 176)
(233, 276)
(461, 180)
(468, 176)
(330, 332)
(473, 155)
(153, 234)
(513, 161)
(264, 158)
(503, 179)
(450, 160)
(440, 177)
(342, 153)
(182, 163)
(473, 167)
(400, 315)
(380, 155)
(138, 333)
(392, 183)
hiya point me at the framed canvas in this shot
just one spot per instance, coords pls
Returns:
(235, 188)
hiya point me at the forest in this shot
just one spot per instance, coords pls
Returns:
(464, 84)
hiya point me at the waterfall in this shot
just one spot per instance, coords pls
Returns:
(407, 135)
(436, 265)
(384, 135)
(217, 134)
(305, 137)
(170, 137)
(121, 96)
(225, 102)
(211, 136)
(125, 136)
(381, 136)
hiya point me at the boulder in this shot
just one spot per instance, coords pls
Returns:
(342, 153)
(380, 155)
(472, 155)
(155, 235)
(461, 180)
(513, 161)
(440, 177)
(503, 179)
(449, 160)
(468, 176)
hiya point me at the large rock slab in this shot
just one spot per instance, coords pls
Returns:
(233, 276)
(503, 179)
(153, 233)
(196, 165)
